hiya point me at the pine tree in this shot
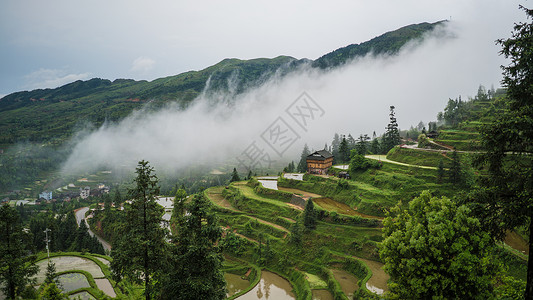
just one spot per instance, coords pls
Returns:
(178, 211)
(504, 201)
(455, 169)
(344, 151)
(440, 171)
(140, 251)
(302, 165)
(194, 272)
(16, 267)
(235, 176)
(51, 274)
(309, 215)
(392, 135)
(335, 144)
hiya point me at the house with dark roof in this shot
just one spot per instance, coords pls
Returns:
(319, 162)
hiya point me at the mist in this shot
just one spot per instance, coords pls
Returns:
(221, 127)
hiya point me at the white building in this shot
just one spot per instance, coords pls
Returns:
(46, 195)
(85, 192)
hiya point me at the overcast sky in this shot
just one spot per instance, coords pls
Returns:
(51, 43)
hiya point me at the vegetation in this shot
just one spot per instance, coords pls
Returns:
(436, 249)
(16, 265)
(504, 200)
(139, 253)
(194, 271)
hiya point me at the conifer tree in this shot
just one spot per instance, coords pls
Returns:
(139, 252)
(309, 215)
(504, 202)
(455, 169)
(194, 271)
(16, 267)
(302, 165)
(235, 176)
(392, 135)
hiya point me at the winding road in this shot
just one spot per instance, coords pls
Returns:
(80, 215)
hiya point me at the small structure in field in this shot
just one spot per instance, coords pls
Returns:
(319, 162)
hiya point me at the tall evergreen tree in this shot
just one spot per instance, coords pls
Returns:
(375, 146)
(441, 172)
(309, 215)
(16, 266)
(505, 200)
(235, 176)
(335, 144)
(392, 135)
(178, 211)
(302, 165)
(362, 145)
(455, 169)
(140, 251)
(344, 151)
(194, 272)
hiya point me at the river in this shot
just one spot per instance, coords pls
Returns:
(80, 215)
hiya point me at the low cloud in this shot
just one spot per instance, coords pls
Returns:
(51, 78)
(142, 64)
(354, 99)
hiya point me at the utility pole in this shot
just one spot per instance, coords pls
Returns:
(47, 241)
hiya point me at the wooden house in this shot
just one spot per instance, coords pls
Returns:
(319, 162)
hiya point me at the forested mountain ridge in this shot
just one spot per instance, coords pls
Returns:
(45, 115)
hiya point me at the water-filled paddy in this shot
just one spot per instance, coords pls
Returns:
(322, 295)
(67, 263)
(73, 281)
(105, 286)
(272, 286)
(235, 283)
(347, 281)
(378, 282)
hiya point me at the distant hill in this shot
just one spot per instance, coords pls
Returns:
(50, 115)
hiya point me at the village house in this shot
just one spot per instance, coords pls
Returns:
(46, 195)
(85, 192)
(319, 162)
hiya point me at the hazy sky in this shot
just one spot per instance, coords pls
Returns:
(51, 43)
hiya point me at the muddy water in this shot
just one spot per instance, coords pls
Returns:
(347, 281)
(378, 282)
(322, 295)
(271, 286)
(235, 283)
(105, 286)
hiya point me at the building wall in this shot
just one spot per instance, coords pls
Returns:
(319, 166)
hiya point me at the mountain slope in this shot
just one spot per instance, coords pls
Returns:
(46, 115)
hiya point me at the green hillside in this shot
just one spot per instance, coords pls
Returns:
(45, 115)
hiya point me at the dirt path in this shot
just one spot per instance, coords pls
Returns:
(271, 224)
(384, 159)
(245, 237)
(299, 192)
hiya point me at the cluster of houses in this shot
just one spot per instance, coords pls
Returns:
(83, 193)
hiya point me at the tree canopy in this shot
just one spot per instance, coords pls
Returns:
(436, 249)
(139, 252)
(16, 267)
(505, 199)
